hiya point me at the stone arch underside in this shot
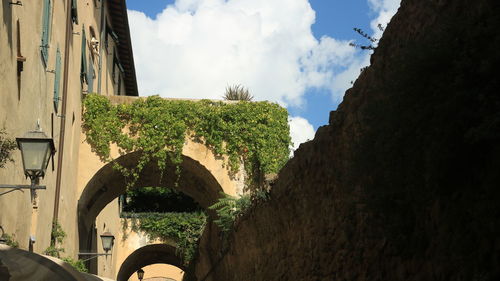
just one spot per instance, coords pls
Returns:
(107, 184)
(147, 255)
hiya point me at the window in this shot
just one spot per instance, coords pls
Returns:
(83, 69)
(46, 21)
(57, 79)
(74, 11)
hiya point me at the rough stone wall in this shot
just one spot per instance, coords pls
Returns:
(403, 184)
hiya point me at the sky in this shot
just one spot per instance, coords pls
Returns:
(293, 52)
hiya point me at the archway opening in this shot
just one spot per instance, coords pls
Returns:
(149, 255)
(107, 184)
(159, 272)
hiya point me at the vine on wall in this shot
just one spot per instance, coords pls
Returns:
(184, 229)
(255, 132)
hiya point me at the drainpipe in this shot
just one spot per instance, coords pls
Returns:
(69, 34)
(101, 51)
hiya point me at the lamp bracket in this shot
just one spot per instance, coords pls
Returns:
(95, 255)
(20, 187)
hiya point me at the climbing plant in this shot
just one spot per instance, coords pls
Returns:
(183, 228)
(6, 147)
(57, 236)
(256, 133)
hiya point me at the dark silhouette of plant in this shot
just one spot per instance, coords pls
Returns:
(237, 92)
(372, 40)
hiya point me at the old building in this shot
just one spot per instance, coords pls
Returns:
(52, 53)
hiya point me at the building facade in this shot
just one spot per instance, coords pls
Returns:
(52, 53)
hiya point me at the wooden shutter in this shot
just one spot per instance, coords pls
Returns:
(90, 76)
(74, 11)
(46, 19)
(57, 79)
(83, 68)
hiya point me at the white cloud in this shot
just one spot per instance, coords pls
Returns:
(300, 131)
(195, 48)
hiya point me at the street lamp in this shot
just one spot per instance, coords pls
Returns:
(36, 150)
(107, 241)
(140, 274)
(107, 244)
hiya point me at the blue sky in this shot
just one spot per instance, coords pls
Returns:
(290, 54)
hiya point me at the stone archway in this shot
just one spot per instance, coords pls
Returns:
(147, 255)
(107, 184)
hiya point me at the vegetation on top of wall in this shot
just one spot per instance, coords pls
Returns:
(184, 229)
(255, 132)
(230, 208)
(6, 147)
(237, 92)
(77, 264)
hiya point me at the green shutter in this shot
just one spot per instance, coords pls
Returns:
(74, 11)
(90, 77)
(83, 68)
(47, 9)
(57, 79)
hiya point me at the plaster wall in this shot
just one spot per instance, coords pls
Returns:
(29, 98)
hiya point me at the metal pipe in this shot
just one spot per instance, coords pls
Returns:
(101, 43)
(69, 33)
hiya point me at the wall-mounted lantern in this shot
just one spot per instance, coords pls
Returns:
(140, 274)
(107, 244)
(107, 241)
(36, 151)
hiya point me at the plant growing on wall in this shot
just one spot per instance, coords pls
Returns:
(6, 147)
(10, 240)
(183, 228)
(57, 236)
(255, 133)
(237, 92)
(228, 209)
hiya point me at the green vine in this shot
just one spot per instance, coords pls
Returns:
(6, 147)
(183, 228)
(255, 132)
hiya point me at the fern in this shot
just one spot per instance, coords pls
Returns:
(228, 209)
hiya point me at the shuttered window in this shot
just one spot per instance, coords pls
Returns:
(46, 20)
(74, 11)
(57, 80)
(90, 76)
(83, 69)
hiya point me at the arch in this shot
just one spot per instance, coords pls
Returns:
(150, 254)
(195, 180)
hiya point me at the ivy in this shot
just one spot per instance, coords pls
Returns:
(184, 229)
(256, 133)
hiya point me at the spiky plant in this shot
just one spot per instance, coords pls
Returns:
(237, 92)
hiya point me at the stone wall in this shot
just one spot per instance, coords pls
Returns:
(403, 182)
